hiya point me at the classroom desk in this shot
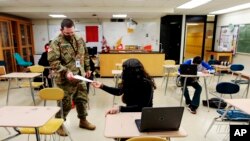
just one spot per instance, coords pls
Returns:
(20, 75)
(122, 125)
(241, 104)
(247, 75)
(168, 69)
(199, 74)
(117, 74)
(219, 69)
(152, 62)
(118, 65)
(26, 116)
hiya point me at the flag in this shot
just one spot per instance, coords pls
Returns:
(119, 43)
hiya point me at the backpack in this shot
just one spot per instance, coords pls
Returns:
(214, 103)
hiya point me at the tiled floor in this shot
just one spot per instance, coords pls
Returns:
(195, 125)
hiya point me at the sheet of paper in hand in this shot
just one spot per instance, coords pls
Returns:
(82, 78)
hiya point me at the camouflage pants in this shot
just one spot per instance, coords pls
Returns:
(76, 92)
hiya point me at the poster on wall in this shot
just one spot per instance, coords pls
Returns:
(228, 38)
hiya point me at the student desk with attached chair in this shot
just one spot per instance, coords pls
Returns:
(122, 125)
(20, 75)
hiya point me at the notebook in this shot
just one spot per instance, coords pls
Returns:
(160, 119)
(188, 69)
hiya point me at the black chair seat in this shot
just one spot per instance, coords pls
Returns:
(227, 88)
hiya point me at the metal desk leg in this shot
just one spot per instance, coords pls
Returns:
(218, 78)
(210, 126)
(7, 130)
(32, 92)
(248, 85)
(205, 83)
(116, 85)
(10, 137)
(167, 82)
(8, 92)
(37, 134)
(183, 89)
(116, 81)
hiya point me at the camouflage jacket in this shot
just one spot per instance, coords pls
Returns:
(62, 57)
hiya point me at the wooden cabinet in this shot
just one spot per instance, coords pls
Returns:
(6, 45)
(221, 56)
(25, 46)
(15, 36)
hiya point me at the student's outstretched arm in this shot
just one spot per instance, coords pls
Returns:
(111, 90)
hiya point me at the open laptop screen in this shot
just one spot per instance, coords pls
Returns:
(188, 69)
(160, 119)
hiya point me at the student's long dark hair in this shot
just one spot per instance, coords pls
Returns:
(134, 72)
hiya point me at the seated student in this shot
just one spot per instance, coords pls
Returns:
(43, 61)
(136, 88)
(193, 81)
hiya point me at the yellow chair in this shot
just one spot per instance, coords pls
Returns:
(169, 62)
(35, 69)
(169, 72)
(53, 124)
(119, 65)
(2, 72)
(147, 138)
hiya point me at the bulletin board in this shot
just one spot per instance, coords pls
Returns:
(228, 38)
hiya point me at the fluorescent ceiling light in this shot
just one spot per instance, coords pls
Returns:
(232, 9)
(119, 15)
(210, 15)
(193, 3)
(57, 16)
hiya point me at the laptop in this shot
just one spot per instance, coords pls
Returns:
(188, 69)
(160, 119)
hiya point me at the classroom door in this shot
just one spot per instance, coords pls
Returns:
(194, 40)
(170, 37)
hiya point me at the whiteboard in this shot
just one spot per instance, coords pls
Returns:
(54, 31)
(36, 58)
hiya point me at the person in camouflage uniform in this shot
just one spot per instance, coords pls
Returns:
(68, 56)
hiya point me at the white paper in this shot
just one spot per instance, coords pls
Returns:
(82, 78)
(199, 73)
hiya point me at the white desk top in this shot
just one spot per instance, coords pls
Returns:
(244, 73)
(118, 64)
(171, 66)
(241, 104)
(20, 75)
(221, 66)
(199, 74)
(123, 125)
(116, 72)
(26, 116)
